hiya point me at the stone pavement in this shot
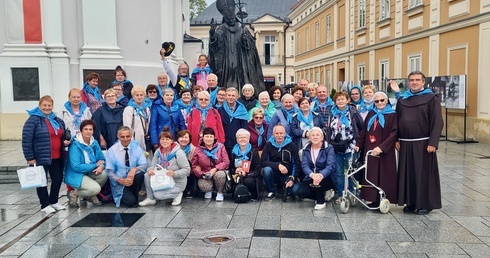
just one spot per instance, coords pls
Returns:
(460, 229)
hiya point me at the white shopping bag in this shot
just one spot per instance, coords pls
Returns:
(160, 181)
(32, 177)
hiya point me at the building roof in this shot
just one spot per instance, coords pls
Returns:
(254, 8)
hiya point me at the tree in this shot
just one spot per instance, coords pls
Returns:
(196, 7)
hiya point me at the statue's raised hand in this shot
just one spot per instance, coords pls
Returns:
(212, 27)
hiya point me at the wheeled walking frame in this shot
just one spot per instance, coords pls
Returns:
(351, 198)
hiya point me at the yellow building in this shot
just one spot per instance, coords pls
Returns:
(339, 40)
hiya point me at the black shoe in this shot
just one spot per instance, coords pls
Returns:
(423, 211)
(408, 209)
(270, 196)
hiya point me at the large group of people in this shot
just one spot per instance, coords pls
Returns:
(297, 144)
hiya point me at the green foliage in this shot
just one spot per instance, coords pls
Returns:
(332, 93)
(196, 7)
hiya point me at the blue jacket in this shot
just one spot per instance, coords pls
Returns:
(76, 167)
(297, 133)
(161, 117)
(325, 162)
(36, 143)
(108, 121)
(231, 127)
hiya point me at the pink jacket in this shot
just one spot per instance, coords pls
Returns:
(200, 159)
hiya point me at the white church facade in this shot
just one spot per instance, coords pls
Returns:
(47, 46)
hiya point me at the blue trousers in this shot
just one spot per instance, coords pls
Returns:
(342, 163)
(271, 177)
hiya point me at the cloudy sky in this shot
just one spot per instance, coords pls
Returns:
(210, 1)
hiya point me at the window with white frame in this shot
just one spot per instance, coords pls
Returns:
(385, 9)
(384, 69)
(362, 14)
(317, 76)
(317, 34)
(360, 70)
(329, 29)
(299, 42)
(414, 3)
(292, 45)
(414, 63)
(205, 44)
(307, 39)
(292, 79)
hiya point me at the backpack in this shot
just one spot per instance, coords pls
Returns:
(241, 193)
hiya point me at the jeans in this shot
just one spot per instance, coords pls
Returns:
(271, 177)
(342, 163)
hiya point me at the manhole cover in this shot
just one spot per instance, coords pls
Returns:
(219, 239)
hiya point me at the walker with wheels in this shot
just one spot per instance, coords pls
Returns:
(351, 198)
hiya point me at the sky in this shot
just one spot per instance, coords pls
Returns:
(210, 1)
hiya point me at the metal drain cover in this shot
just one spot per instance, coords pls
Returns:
(218, 239)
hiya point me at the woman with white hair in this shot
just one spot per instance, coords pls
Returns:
(284, 115)
(248, 96)
(137, 115)
(380, 135)
(318, 164)
(266, 105)
(202, 116)
(245, 163)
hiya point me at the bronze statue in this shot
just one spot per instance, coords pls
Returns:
(233, 56)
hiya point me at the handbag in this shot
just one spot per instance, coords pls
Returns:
(160, 181)
(32, 177)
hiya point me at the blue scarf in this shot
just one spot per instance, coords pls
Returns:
(380, 116)
(287, 140)
(202, 71)
(90, 151)
(239, 154)
(409, 93)
(51, 118)
(213, 94)
(211, 154)
(204, 111)
(120, 98)
(360, 101)
(288, 114)
(306, 120)
(261, 131)
(140, 110)
(187, 149)
(187, 107)
(169, 157)
(123, 82)
(94, 91)
(161, 87)
(77, 118)
(240, 111)
(366, 108)
(328, 102)
(343, 115)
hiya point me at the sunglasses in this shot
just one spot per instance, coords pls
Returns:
(203, 99)
(379, 100)
(259, 117)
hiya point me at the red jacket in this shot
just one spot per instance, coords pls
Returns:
(213, 120)
(200, 159)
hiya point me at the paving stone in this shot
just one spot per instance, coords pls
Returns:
(49, 250)
(265, 247)
(426, 248)
(123, 251)
(300, 248)
(182, 251)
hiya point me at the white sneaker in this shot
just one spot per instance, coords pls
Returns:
(177, 199)
(329, 195)
(147, 202)
(48, 210)
(320, 206)
(220, 197)
(208, 195)
(58, 206)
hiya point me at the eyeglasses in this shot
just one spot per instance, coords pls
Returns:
(203, 99)
(379, 100)
(110, 96)
(258, 117)
(151, 92)
(117, 89)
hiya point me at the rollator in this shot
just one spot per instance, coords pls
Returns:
(351, 198)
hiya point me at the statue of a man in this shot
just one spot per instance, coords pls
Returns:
(233, 56)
